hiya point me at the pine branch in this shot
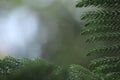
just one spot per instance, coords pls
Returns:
(99, 3)
(99, 28)
(111, 36)
(104, 61)
(105, 50)
(103, 25)
(105, 69)
(101, 14)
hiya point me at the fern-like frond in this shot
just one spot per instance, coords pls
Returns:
(98, 29)
(105, 50)
(111, 36)
(104, 61)
(114, 22)
(99, 3)
(101, 14)
(103, 25)
(105, 69)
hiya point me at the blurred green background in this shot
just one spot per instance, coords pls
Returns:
(65, 45)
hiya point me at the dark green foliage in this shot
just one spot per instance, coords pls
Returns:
(39, 69)
(8, 64)
(77, 72)
(101, 14)
(113, 76)
(100, 3)
(112, 49)
(105, 61)
(103, 25)
(111, 36)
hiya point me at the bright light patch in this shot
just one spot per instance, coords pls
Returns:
(17, 30)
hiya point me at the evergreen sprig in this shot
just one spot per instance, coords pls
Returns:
(99, 3)
(104, 61)
(103, 25)
(114, 49)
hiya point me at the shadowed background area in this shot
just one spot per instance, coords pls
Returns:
(49, 29)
